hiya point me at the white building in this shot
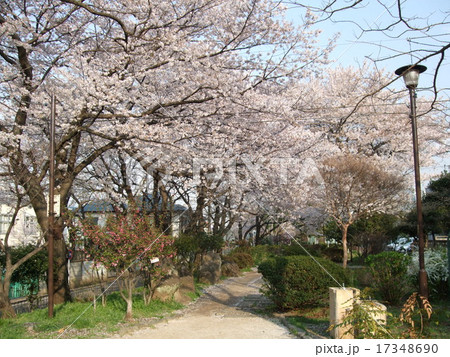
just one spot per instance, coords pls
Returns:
(26, 229)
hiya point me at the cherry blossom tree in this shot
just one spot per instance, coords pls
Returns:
(133, 73)
(169, 82)
(355, 188)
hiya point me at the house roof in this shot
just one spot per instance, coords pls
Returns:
(97, 206)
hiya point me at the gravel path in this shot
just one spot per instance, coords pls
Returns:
(229, 310)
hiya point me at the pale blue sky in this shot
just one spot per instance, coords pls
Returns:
(354, 46)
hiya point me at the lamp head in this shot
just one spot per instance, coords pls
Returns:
(410, 74)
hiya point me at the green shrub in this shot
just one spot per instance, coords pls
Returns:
(209, 242)
(187, 249)
(190, 246)
(243, 260)
(294, 249)
(334, 253)
(389, 275)
(296, 281)
(261, 253)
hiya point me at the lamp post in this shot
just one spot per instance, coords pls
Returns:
(411, 77)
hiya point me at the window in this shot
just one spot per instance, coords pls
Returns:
(30, 225)
(5, 220)
(92, 220)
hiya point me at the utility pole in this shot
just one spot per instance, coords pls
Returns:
(51, 208)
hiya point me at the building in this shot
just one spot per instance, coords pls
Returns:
(98, 211)
(26, 229)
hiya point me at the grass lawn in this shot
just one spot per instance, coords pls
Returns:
(83, 320)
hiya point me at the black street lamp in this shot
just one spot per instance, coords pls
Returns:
(411, 77)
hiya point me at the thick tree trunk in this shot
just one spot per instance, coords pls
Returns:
(61, 274)
(6, 309)
(198, 223)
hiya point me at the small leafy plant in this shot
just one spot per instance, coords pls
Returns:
(364, 320)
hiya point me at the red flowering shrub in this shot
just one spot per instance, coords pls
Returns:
(127, 244)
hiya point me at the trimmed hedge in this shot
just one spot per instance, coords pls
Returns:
(296, 281)
(264, 252)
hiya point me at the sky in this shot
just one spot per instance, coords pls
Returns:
(354, 46)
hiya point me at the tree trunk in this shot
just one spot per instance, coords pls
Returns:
(61, 274)
(6, 309)
(155, 198)
(198, 223)
(258, 231)
(129, 300)
(344, 245)
(166, 219)
(126, 285)
(216, 220)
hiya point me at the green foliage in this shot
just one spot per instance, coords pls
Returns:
(331, 231)
(369, 233)
(209, 242)
(33, 269)
(436, 208)
(190, 246)
(436, 205)
(334, 253)
(243, 260)
(261, 253)
(437, 270)
(389, 273)
(31, 272)
(362, 320)
(186, 245)
(295, 281)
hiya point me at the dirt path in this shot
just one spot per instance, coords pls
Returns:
(227, 310)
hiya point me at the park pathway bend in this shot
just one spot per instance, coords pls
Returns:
(228, 310)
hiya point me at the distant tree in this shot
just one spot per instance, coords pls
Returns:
(371, 234)
(436, 208)
(354, 188)
(436, 205)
